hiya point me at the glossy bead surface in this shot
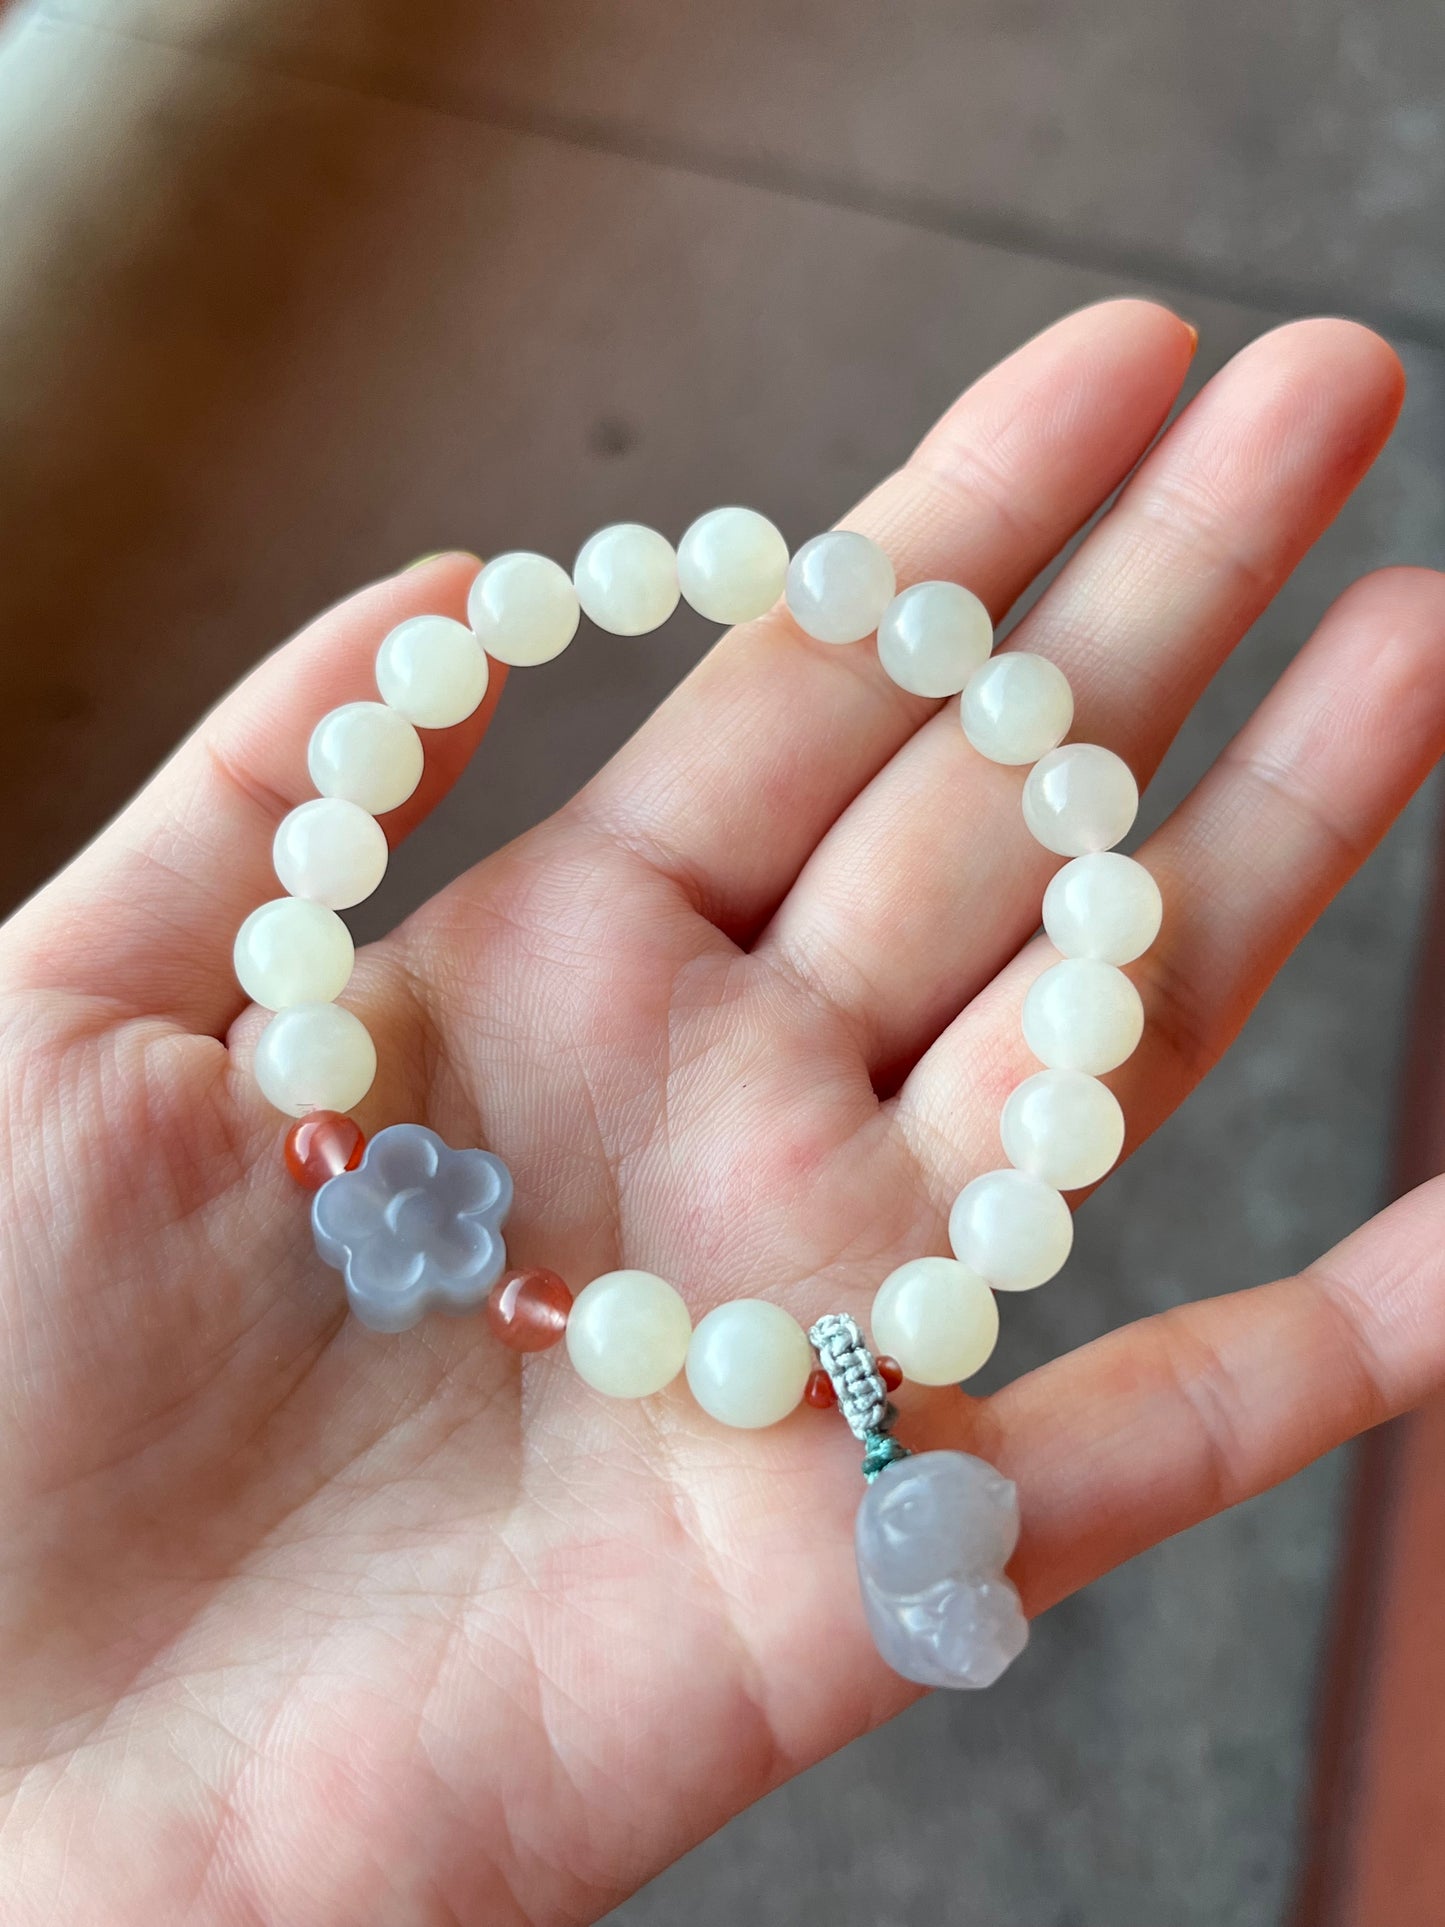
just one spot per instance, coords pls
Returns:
(839, 586)
(367, 754)
(933, 637)
(890, 1371)
(1080, 799)
(818, 1392)
(315, 1057)
(748, 1363)
(1016, 707)
(432, 670)
(626, 579)
(1063, 1127)
(320, 1145)
(1104, 906)
(732, 564)
(628, 1334)
(1082, 1016)
(933, 1535)
(937, 1318)
(1011, 1229)
(292, 951)
(527, 1309)
(523, 608)
(330, 851)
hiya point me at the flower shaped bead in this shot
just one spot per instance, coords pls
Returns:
(417, 1225)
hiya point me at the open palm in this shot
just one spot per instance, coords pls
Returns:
(302, 1625)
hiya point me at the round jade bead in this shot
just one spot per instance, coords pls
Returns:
(933, 637)
(1103, 906)
(315, 1057)
(366, 754)
(1012, 1229)
(839, 586)
(748, 1363)
(1016, 707)
(732, 564)
(1082, 1016)
(938, 1318)
(628, 1334)
(1080, 799)
(626, 579)
(432, 670)
(1063, 1127)
(330, 851)
(523, 608)
(290, 951)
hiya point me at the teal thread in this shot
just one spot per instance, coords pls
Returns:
(881, 1449)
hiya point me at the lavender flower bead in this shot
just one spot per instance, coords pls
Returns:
(934, 1534)
(415, 1226)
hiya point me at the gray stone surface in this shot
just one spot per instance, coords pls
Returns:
(271, 323)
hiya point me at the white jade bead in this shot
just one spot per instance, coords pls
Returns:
(933, 637)
(315, 1057)
(732, 564)
(626, 579)
(1104, 906)
(290, 951)
(432, 670)
(839, 586)
(937, 1318)
(367, 754)
(1081, 1015)
(330, 851)
(1080, 799)
(1063, 1127)
(748, 1363)
(1011, 1229)
(628, 1334)
(523, 608)
(1016, 707)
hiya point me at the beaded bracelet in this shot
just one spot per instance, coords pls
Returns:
(413, 1224)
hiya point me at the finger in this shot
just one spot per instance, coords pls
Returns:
(926, 885)
(1245, 864)
(145, 917)
(731, 784)
(1168, 1421)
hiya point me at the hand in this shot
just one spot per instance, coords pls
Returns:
(303, 1625)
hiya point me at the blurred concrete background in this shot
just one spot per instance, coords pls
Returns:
(295, 290)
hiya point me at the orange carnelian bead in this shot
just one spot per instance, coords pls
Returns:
(528, 1309)
(891, 1372)
(819, 1391)
(321, 1146)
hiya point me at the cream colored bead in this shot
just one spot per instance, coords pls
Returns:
(330, 851)
(1016, 707)
(626, 579)
(1104, 906)
(367, 754)
(933, 637)
(432, 670)
(937, 1318)
(748, 1363)
(732, 564)
(523, 608)
(290, 951)
(1011, 1229)
(839, 586)
(1080, 799)
(1083, 1016)
(1063, 1127)
(628, 1334)
(315, 1057)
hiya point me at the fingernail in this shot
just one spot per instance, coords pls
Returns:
(422, 560)
(1193, 334)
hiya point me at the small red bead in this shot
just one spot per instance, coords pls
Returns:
(527, 1309)
(819, 1391)
(891, 1372)
(321, 1146)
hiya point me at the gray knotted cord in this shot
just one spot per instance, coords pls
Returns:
(862, 1395)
